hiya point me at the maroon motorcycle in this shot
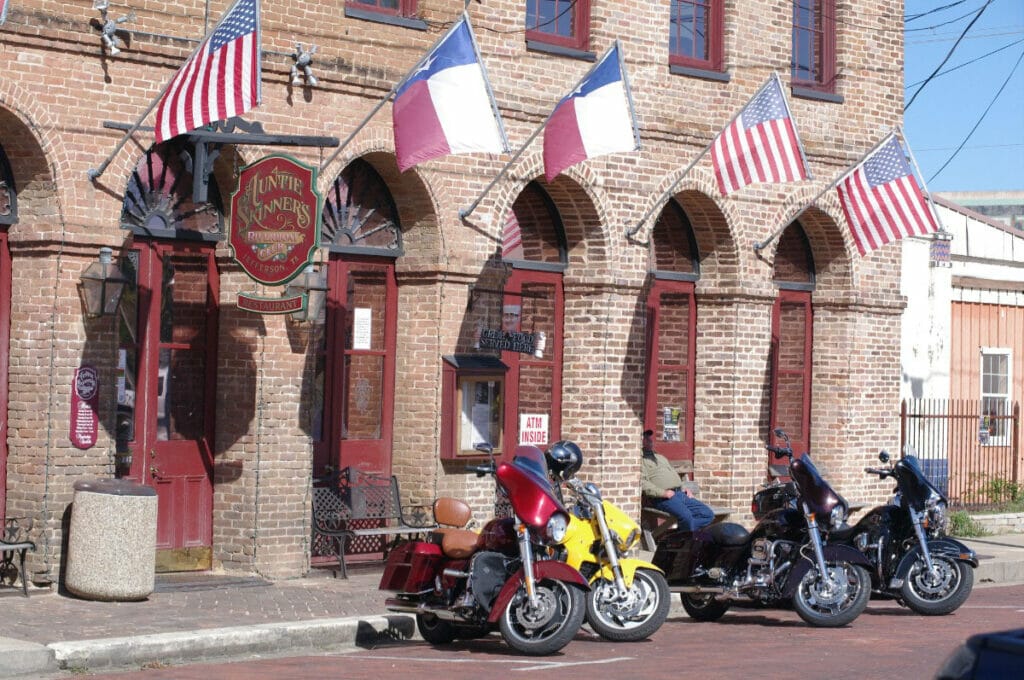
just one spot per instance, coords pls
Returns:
(464, 584)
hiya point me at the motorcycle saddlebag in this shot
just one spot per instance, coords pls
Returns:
(411, 567)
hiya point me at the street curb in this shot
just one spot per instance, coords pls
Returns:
(22, 658)
(219, 643)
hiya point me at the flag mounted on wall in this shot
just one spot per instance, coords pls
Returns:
(760, 144)
(596, 118)
(445, 105)
(881, 199)
(220, 80)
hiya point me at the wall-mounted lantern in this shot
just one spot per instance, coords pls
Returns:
(312, 283)
(101, 285)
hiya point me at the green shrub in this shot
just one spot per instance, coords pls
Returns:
(962, 524)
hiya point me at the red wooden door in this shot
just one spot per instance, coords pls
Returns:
(174, 428)
(792, 323)
(357, 367)
(670, 384)
(534, 382)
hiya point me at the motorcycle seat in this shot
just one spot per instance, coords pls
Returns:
(727, 533)
(452, 515)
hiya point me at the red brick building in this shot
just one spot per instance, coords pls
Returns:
(657, 311)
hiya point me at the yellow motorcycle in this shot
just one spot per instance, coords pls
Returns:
(629, 598)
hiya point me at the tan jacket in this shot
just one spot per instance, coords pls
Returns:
(657, 475)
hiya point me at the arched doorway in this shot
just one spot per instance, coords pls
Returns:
(792, 337)
(533, 302)
(353, 409)
(671, 335)
(167, 344)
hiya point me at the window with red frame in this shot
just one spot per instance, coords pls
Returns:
(401, 8)
(565, 23)
(695, 34)
(814, 44)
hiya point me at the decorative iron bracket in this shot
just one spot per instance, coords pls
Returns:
(210, 139)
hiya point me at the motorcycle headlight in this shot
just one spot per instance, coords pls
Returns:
(557, 526)
(837, 516)
(936, 518)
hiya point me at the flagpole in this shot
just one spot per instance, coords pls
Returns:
(758, 247)
(95, 173)
(792, 121)
(629, 95)
(672, 188)
(466, 212)
(924, 185)
(409, 74)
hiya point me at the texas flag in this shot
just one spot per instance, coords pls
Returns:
(594, 119)
(445, 105)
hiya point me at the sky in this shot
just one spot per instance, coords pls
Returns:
(941, 116)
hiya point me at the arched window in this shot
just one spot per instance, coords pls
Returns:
(359, 213)
(792, 335)
(158, 198)
(533, 303)
(672, 335)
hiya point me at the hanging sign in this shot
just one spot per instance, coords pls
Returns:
(85, 400)
(275, 219)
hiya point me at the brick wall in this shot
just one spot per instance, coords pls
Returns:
(59, 86)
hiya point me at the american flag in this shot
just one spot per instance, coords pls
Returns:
(220, 80)
(511, 238)
(760, 145)
(882, 201)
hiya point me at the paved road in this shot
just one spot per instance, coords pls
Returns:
(887, 641)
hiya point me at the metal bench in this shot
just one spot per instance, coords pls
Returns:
(14, 543)
(354, 504)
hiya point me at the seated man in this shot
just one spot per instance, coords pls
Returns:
(661, 484)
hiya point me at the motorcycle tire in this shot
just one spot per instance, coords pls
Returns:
(703, 606)
(435, 630)
(819, 607)
(547, 627)
(649, 597)
(941, 593)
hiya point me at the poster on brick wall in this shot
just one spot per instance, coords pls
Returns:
(85, 399)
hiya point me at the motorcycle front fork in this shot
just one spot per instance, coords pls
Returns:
(526, 555)
(922, 540)
(610, 551)
(819, 552)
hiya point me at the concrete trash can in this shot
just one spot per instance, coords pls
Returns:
(112, 540)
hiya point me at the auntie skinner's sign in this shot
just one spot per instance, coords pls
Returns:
(275, 219)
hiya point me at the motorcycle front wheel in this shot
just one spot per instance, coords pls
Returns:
(836, 602)
(940, 591)
(634, 616)
(549, 624)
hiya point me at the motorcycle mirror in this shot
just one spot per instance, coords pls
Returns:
(781, 434)
(883, 456)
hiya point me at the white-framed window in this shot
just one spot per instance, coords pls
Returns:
(996, 379)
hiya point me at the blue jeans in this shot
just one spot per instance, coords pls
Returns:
(691, 513)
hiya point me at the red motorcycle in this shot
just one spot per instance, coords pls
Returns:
(463, 584)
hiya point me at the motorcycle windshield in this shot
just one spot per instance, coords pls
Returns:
(818, 494)
(914, 486)
(527, 487)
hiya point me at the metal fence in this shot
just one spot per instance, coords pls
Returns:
(968, 448)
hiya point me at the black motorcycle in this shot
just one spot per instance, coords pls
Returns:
(912, 559)
(782, 559)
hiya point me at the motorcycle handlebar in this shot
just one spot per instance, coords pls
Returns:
(881, 472)
(481, 470)
(779, 451)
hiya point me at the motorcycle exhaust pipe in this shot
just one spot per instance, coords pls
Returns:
(717, 590)
(406, 607)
